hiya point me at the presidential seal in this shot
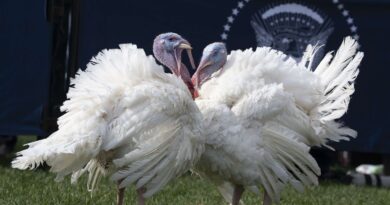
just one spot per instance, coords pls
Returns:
(290, 26)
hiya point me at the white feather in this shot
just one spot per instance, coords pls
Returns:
(264, 111)
(250, 156)
(318, 97)
(125, 116)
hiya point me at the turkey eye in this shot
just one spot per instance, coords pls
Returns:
(171, 39)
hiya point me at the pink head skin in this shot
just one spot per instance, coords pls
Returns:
(213, 59)
(167, 49)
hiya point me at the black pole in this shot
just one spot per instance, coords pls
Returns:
(74, 39)
(64, 17)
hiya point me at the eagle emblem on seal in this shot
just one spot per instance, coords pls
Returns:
(291, 27)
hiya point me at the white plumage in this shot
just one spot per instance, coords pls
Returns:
(251, 154)
(259, 116)
(125, 116)
(274, 110)
(318, 98)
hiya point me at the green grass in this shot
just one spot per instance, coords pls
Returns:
(38, 187)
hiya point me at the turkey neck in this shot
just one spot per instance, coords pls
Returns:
(186, 77)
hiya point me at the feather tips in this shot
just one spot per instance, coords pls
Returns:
(294, 106)
(252, 156)
(122, 112)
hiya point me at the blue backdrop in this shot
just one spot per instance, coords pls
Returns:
(105, 24)
(24, 66)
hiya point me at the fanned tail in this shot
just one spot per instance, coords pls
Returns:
(338, 78)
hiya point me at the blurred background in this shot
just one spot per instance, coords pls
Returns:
(44, 43)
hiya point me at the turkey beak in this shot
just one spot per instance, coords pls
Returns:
(177, 54)
(186, 45)
(203, 64)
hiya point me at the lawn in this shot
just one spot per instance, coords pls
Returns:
(38, 187)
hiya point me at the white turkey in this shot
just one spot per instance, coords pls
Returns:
(272, 97)
(249, 155)
(126, 118)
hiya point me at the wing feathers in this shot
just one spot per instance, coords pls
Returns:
(123, 113)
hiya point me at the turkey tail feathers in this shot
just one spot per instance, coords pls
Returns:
(338, 77)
